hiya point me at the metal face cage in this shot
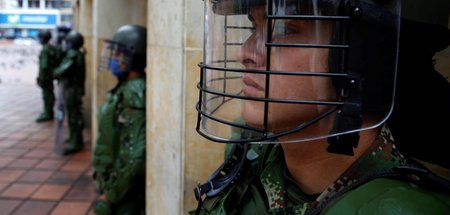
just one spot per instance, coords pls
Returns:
(360, 65)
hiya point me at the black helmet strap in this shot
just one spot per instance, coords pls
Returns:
(348, 118)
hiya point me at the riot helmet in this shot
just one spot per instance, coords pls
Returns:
(74, 40)
(62, 33)
(289, 71)
(44, 36)
(421, 88)
(127, 51)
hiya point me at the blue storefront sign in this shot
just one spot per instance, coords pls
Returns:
(28, 20)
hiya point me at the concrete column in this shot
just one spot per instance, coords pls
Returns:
(83, 16)
(177, 157)
(76, 14)
(165, 107)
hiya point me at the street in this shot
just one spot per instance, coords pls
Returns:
(33, 179)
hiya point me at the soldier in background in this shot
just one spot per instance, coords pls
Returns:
(45, 78)
(72, 70)
(119, 155)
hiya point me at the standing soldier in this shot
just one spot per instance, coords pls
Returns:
(45, 79)
(301, 90)
(72, 71)
(119, 155)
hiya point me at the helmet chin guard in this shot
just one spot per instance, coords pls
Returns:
(287, 71)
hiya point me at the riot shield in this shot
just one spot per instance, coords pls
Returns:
(61, 127)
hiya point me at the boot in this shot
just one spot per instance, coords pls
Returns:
(45, 116)
(102, 207)
(73, 145)
(71, 149)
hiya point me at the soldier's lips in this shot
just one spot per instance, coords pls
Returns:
(251, 87)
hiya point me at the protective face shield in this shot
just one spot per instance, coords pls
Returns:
(285, 71)
(62, 33)
(126, 51)
(116, 58)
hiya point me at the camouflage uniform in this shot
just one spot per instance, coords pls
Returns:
(59, 53)
(267, 188)
(119, 155)
(45, 80)
(72, 70)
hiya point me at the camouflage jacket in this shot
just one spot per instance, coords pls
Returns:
(46, 63)
(73, 69)
(119, 155)
(59, 53)
(266, 187)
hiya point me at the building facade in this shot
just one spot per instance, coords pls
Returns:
(24, 18)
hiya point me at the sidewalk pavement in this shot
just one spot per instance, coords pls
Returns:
(33, 179)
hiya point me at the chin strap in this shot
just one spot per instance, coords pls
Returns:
(348, 118)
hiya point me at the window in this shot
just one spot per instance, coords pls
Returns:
(33, 3)
(66, 18)
(58, 4)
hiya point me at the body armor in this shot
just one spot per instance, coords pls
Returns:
(119, 156)
(45, 80)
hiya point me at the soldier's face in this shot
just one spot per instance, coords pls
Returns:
(119, 57)
(253, 55)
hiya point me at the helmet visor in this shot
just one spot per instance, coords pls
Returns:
(114, 51)
(278, 71)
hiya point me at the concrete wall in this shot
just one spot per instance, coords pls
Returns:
(178, 158)
(83, 24)
(165, 106)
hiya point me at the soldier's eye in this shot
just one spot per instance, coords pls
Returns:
(283, 28)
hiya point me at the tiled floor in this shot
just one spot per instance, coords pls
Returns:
(33, 179)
